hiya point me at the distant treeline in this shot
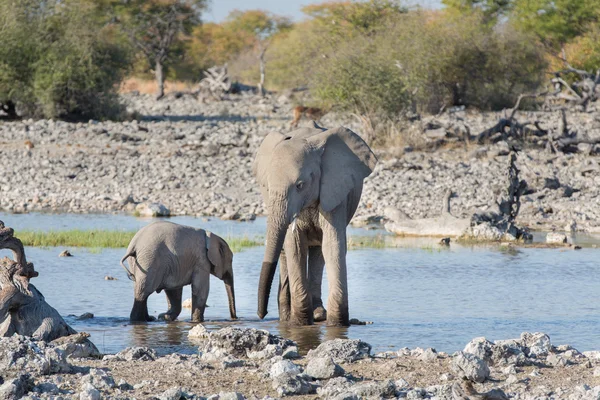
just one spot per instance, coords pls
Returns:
(65, 58)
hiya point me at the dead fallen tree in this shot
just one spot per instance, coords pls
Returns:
(23, 309)
(494, 224)
(584, 89)
(558, 138)
(216, 82)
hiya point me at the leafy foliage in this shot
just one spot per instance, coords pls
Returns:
(59, 59)
(556, 22)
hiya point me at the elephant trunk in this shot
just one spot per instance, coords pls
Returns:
(277, 224)
(231, 297)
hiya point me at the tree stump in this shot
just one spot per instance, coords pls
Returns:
(23, 309)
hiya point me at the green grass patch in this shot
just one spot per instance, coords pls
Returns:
(76, 238)
(368, 242)
(95, 240)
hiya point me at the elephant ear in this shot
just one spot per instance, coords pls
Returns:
(263, 157)
(346, 161)
(219, 255)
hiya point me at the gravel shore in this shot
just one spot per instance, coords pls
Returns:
(196, 159)
(234, 363)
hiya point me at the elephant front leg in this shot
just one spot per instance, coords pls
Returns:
(284, 289)
(316, 263)
(296, 250)
(200, 287)
(334, 252)
(174, 301)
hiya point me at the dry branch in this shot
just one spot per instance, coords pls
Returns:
(23, 309)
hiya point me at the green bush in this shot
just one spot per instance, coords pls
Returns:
(60, 60)
(416, 60)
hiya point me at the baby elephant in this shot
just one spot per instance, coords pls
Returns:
(168, 256)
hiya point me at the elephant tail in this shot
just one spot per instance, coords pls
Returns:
(130, 275)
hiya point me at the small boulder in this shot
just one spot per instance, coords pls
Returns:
(65, 253)
(284, 367)
(137, 353)
(174, 393)
(15, 389)
(152, 210)
(198, 332)
(535, 344)
(99, 379)
(289, 385)
(342, 350)
(88, 392)
(323, 368)
(227, 396)
(239, 342)
(375, 390)
(556, 238)
(471, 367)
(481, 347)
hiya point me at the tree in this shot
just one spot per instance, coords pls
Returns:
(491, 9)
(342, 17)
(156, 27)
(556, 22)
(59, 59)
(261, 26)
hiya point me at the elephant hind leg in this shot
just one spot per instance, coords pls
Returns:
(316, 264)
(139, 312)
(284, 289)
(174, 300)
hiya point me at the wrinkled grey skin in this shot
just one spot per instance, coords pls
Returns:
(311, 181)
(167, 256)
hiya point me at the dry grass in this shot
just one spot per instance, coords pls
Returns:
(146, 86)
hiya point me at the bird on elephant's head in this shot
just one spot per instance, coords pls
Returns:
(311, 181)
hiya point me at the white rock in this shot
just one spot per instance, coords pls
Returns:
(556, 238)
(471, 367)
(198, 332)
(152, 210)
(284, 367)
(323, 368)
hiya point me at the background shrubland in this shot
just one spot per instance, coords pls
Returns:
(376, 58)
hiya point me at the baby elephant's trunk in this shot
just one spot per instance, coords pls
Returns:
(230, 296)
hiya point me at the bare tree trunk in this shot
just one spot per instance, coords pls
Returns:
(261, 58)
(160, 79)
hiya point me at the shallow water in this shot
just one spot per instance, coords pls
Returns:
(417, 295)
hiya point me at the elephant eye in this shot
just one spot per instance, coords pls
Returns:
(299, 185)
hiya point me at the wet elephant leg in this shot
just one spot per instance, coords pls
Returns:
(139, 312)
(334, 251)
(284, 289)
(200, 287)
(316, 263)
(296, 252)
(174, 301)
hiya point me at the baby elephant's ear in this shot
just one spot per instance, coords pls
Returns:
(219, 255)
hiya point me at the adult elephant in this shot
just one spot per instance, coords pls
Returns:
(311, 181)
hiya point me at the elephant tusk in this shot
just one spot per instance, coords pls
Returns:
(294, 225)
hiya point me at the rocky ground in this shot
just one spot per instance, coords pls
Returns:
(235, 363)
(196, 159)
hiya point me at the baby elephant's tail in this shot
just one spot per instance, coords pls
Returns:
(130, 275)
